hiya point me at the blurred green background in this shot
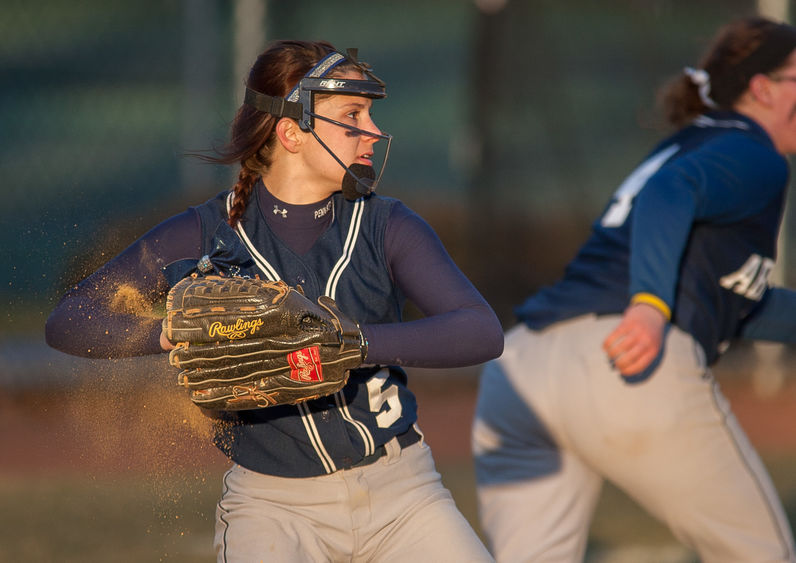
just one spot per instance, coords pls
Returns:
(512, 126)
(513, 122)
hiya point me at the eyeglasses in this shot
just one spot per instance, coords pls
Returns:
(783, 78)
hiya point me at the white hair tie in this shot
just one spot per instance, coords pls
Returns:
(701, 79)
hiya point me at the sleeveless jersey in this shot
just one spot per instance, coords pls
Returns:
(346, 263)
(728, 172)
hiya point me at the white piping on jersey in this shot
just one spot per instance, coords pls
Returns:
(348, 249)
(315, 438)
(367, 437)
(259, 259)
(331, 290)
(705, 121)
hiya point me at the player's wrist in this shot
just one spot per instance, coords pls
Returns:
(654, 301)
(165, 343)
(363, 343)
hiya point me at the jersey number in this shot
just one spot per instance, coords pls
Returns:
(616, 215)
(378, 395)
(751, 280)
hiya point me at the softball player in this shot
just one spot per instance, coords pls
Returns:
(345, 477)
(607, 377)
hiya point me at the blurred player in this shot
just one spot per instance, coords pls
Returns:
(345, 477)
(607, 375)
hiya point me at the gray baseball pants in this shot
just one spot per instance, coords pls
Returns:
(554, 419)
(394, 510)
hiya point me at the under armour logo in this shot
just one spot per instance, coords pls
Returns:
(282, 212)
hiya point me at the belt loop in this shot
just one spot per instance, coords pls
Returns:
(422, 436)
(393, 449)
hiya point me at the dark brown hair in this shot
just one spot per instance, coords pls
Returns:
(740, 50)
(275, 72)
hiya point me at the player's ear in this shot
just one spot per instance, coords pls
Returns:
(289, 134)
(760, 89)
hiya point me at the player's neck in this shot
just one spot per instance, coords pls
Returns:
(294, 185)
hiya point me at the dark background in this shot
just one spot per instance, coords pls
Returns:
(513, 123)
(512, 128)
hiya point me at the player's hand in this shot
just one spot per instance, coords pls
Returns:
(164, 342)
(636, 342)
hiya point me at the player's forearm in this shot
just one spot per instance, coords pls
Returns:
(464, 337)
(80, 327)
(665, 210)
(110, 313)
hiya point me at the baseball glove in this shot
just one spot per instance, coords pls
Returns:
(244, 343)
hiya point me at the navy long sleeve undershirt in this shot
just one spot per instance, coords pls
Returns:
(110, 313)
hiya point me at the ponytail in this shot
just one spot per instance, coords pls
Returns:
(740, 50)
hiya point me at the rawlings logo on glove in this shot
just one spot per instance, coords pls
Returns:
(236, 331)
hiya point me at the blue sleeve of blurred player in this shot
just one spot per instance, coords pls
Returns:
(664, 211)
(774, 319)
(730, 177)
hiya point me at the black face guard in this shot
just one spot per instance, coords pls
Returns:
(359, 180)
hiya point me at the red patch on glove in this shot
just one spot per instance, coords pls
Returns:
(305, 365)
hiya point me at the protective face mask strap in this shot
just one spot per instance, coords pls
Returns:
(273, 105)
(318, 71)
(359, 180)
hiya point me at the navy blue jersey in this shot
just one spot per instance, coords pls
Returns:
(368, 255)
(347, 263)
(695, 225)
